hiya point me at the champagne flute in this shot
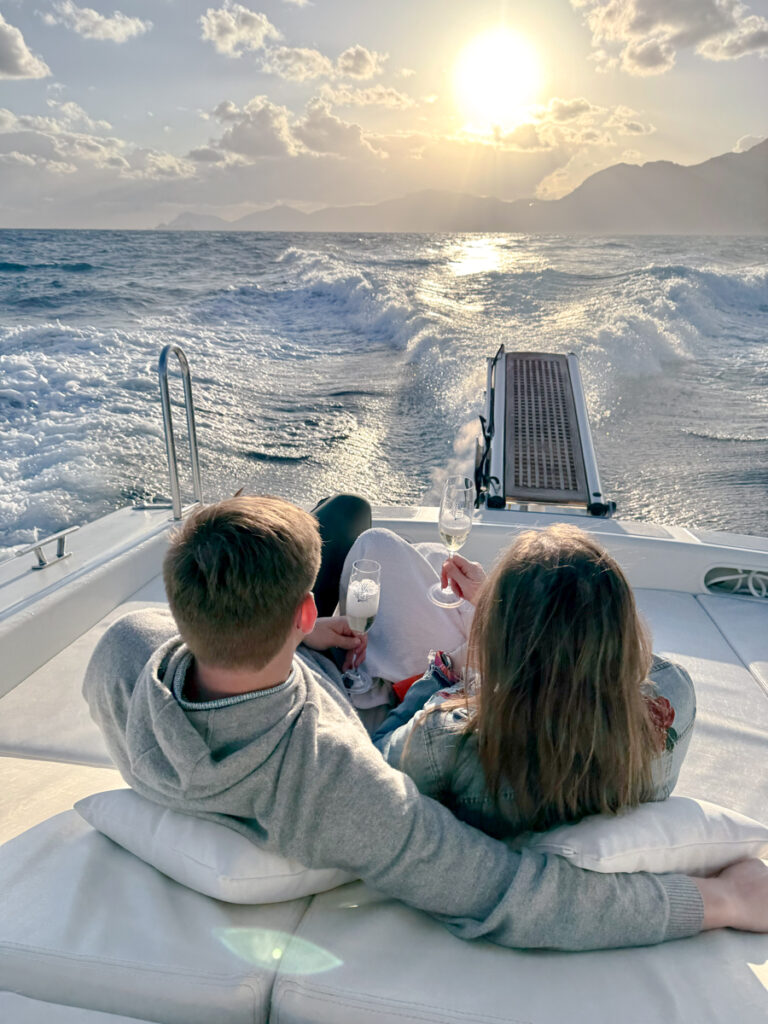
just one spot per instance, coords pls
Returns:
(454, 524)
(363, 592)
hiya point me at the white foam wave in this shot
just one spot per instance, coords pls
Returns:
(367, 303)
(360, 364)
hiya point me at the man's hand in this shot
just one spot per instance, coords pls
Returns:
(465, 577)
(737, 897)
(334, 631)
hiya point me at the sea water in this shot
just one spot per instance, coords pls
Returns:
(345, 362)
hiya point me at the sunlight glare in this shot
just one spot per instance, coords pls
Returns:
(760, 971)
(497, 76)
(475, 256)
(266, 947)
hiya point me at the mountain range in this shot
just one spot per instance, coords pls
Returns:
(727, 194)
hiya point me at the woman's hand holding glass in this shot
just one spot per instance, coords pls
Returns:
(454, 522)
(464, 577)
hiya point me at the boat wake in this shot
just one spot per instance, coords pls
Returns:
(326, 362)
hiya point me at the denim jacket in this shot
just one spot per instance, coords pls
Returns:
(435, 749)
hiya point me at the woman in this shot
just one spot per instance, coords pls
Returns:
(569, 715)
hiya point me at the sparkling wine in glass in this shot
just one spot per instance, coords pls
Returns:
(363, 594)
(454, 524)
(362, 604)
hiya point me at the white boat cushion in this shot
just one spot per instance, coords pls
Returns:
(725, 762)
(15, 1009)
(35, 726)
(203, 855)
(679, 834)
(744, 623)
(84, 923)
(397, 965)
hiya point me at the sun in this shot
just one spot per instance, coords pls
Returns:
(496, 78)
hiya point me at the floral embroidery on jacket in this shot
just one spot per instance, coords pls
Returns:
(662, 716)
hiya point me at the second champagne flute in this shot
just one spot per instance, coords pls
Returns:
(454, 524)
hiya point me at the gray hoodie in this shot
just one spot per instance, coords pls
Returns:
(293, 767)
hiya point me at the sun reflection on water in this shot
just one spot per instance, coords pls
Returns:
(475, 256)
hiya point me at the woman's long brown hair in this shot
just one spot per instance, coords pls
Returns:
(560, 717)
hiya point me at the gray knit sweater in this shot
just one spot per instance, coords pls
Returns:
(294, 767)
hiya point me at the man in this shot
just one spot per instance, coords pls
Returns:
(239, 719)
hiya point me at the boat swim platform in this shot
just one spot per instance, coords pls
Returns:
(537, 444)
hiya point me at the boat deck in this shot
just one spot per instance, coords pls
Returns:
(719, 639)
(88, 925)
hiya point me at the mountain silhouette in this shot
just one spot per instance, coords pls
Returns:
(727, 194)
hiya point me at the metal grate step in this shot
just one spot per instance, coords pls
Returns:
(543, 459)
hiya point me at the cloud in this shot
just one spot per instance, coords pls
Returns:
(747, 142)
(56, 145)
(649, 57)
(359, 62)
(627, 121)
(323, 132)
(260, 129)
(226, 111)
(315, 158)
(234, 29)
(525, 136)
(577, 121)
(568, 110)
(643, 37)
(73, 115)
(751, 36)
(300, 64)
(298, 3)
(297, 64)
(205, 154)
(580, 165)
(116, 28)
(16, 61)
(153, 164)
(371, 96)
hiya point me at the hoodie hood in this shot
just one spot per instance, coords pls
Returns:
(201, 758)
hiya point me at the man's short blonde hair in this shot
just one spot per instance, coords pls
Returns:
(235, 574)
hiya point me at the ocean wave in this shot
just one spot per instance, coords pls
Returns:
(731, 438)
(279, 459)
(739, 288)
(743, 288)
(322, 363)
(69, 268)
(362, 301)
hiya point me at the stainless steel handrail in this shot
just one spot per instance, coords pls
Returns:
(170, 445)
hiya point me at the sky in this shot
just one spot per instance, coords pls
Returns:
(124, 116)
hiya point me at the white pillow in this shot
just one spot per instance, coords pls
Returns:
(203, 855)
(679, 834)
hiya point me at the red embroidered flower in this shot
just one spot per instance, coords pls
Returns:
(662, 715)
